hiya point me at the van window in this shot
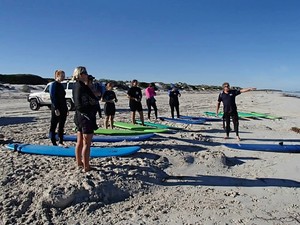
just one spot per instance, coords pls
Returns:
(47, 88)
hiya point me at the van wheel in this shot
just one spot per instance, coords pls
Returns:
(34, 105)
(69, 104)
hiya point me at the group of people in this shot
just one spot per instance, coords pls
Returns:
(135, 97)
(86, 98)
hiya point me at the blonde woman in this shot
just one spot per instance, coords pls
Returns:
(59, 109)
(84, 118)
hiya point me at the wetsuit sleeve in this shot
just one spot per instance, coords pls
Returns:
(237, 92)
(91, 94)
(104, 96)
(77, 97)
(140, 93)
(129, 92)
(220, 97)
(52, 91)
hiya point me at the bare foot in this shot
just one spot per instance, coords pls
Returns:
(88, 169)
(226, 137)
(238, 138)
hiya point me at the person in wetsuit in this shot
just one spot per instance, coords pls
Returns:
(135, 97)
(150, 99)
(97, 90)
(174, 101)
(97, 93)
(109, 97)
(227, 96)
(85, 118)
(59, 109)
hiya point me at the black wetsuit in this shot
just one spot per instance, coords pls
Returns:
(135, 92)
(86, 104)
(58, 101)
(230, 110)
(174, 102)
(109, 107)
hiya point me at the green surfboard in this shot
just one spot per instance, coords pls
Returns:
(241, 114)
(263, 115)
(158, 125)
(131, 126)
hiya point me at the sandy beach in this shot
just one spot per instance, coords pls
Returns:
(188, 177)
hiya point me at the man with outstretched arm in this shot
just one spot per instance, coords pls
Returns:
(227, 96)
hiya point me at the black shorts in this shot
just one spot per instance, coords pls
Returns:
(109, 109)
(135, 106)
(84, 123)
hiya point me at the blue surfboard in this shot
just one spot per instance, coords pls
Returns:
(70, 151)
(266, 147)
(208, 119)
(97, 138)
(184, 121)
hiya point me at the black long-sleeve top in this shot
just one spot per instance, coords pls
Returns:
(58, 96)
(84, 98)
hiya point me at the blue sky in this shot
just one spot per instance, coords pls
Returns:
(245, 42)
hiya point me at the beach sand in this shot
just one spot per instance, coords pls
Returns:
(188, 177)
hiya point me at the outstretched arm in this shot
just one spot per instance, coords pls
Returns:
(247, 89)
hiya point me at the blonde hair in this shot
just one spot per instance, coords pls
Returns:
(78, 71)
(58, 73)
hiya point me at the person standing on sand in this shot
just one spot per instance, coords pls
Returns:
(109, 97)
(97, 90)
(227, 96)
(150, 100)
(97, 108)
(84, 118)
(135, 97)
(59, 109)
(174, 101)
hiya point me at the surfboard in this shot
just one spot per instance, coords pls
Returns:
(263, 115)
(241, 114)
(158, 125)
(182, 120)
(97, 138)
(266, 147)
(70, 151)
(208, 119)
(128, 132)
(131, 126)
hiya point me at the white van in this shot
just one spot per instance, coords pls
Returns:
(38, 99)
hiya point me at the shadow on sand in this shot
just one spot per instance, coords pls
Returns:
(4, 121)
(222, 181)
